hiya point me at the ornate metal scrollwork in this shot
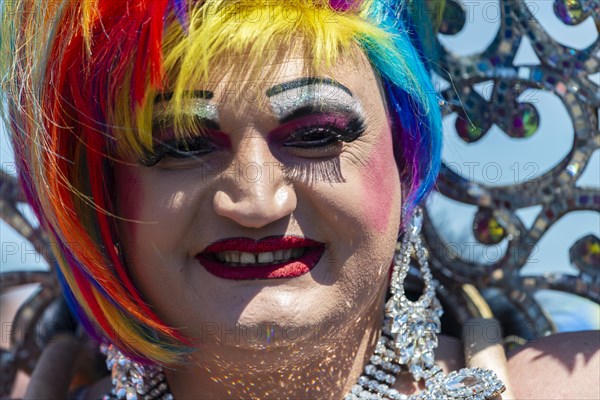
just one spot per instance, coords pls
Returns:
(563, 71)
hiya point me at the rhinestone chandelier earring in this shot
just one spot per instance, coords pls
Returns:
(413, 325)
(409, 336)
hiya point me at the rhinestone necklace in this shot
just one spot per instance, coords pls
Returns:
(133, 381)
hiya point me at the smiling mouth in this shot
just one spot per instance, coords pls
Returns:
(275, 257)
(244, 258)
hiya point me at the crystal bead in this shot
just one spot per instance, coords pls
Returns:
(433, 322)
(399, 323)
(394, 368)
(382, 388)
(407, 352)
(486, 227)
(585, 254)
(372, 385)
(392, 306)
(390, 354)
(376, 360)
(380, 375)
(428, 359)
(417, 354)
(403, 337)
(463, 382)
(417, 328)
(439, 311)
(569, 11)
(416, 371)
(416, 222)
(525, 121)
(467, 130)
(138, 380)
(120, 393)
(356, 389)
(370, 369)
(363, 380)
(396, 395)
(130, 394)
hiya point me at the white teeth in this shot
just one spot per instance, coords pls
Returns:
(287, 254)
(267, 257)
(229, 256)
(247, 258)
(232, 256)
(278, 255)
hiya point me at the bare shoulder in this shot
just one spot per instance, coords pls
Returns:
(561, 366)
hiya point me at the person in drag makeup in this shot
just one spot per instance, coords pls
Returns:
(225, 184)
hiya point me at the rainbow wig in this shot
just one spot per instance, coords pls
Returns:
(79, 80)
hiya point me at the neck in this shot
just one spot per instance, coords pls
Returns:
(322, 365)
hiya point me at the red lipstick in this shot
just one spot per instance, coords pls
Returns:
(292, 268)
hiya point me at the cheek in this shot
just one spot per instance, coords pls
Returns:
(380, 183)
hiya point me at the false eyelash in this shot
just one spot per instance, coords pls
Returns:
(176, 149)
(347, 133)
(310, 173)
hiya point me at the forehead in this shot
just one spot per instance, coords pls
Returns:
(231, 77)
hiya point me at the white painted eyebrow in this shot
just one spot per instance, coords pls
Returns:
(319, 95)
(199, 107)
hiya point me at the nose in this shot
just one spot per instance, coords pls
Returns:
(256, 193)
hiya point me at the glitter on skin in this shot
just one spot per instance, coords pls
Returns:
(328, 96)
(200, 108)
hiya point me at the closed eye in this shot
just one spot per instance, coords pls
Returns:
(180, 149)
(317, 136)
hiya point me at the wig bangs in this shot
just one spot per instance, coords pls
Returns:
(198, 51)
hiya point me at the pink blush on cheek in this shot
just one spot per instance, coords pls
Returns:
(379, 181)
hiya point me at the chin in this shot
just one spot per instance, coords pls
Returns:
(277, 317)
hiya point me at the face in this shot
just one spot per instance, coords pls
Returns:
(279, 216)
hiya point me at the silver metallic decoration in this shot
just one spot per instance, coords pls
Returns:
(410, 331)
(132, 380)
(563, 71)
(413, 325)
